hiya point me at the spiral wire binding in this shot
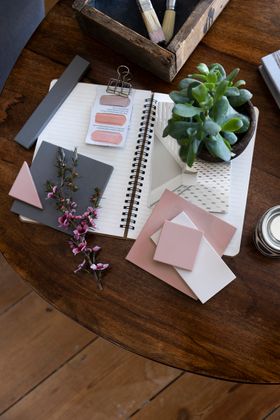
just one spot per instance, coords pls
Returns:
(138, 169)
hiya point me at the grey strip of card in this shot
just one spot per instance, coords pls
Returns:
(52, 101)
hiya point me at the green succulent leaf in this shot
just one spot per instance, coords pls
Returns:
(218, 70)
(211, 127)
(220, 109)
(183, 153)
(212, 77)
(239, 83)
(178, 129)
(210, 86)
(186, 110)
(200, 93)
(188, 153)
(232, 91)
(217, 147)
(221, 89)
(198, 76)
(184, 83)
(246, 123)
(179, 97)
(208, 103)
(232, 75)
(233, 124)
(192, 152)
(190, 88)
(230, 137)
(244, 96)
(203, 68)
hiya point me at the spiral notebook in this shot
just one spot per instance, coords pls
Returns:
(123, 207)
(125, 201)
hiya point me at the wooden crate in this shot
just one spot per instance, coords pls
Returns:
(164, 62)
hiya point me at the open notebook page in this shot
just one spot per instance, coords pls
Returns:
(68, 129)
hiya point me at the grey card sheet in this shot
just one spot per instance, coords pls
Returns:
(92, 174)
(51, 102)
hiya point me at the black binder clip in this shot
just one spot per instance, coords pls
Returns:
(121, 85)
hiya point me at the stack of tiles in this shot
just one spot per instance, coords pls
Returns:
(182, 245)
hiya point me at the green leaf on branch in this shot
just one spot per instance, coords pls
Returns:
(186, 110)
(232, 91)
(244, 96)
(211, 127)
(200, 93)
(199, 76)
(178, 129)
(220, 110)
(233, 124)
(232, 75)
(239, 83)
(212, 78)
(221, 90)
(184, 83)
(178, 97)
(217, 147)
(246, 123)
(218, 70)
(203, 68)
(230, 137)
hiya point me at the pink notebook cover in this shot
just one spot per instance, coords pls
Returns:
(216, 231)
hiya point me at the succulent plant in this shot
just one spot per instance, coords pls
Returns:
(204, 113)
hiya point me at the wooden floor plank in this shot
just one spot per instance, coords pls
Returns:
(12, 288)
(192, 397)
(35, 340)
(102, 382)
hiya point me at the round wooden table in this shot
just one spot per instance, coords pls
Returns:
(236, 335)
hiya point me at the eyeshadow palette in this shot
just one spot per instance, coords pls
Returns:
(109, 121)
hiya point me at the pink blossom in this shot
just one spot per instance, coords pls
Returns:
(99, 267)
(91, 221)
(80, 230)
(78, 217)
(64, 220)
(53, 191)
(96, 248)
(80, 267)
(80, 248)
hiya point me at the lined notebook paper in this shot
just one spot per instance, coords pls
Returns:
(68, 128)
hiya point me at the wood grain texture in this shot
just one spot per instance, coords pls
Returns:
(53, 338)
(102, 382)
(12, 288)
(234, 336)
(195, 27)
(135, 46)
(7, 100)
(192, 397)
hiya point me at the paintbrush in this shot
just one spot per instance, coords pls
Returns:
(151, 21)
(169, 20)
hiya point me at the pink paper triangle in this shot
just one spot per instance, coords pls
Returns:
(24, 188)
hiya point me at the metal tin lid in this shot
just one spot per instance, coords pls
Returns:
(270, 228)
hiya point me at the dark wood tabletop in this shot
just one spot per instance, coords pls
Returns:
(234, 336)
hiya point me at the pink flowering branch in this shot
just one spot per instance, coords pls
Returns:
(78, 223)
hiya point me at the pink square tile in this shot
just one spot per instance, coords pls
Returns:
(178, 245)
